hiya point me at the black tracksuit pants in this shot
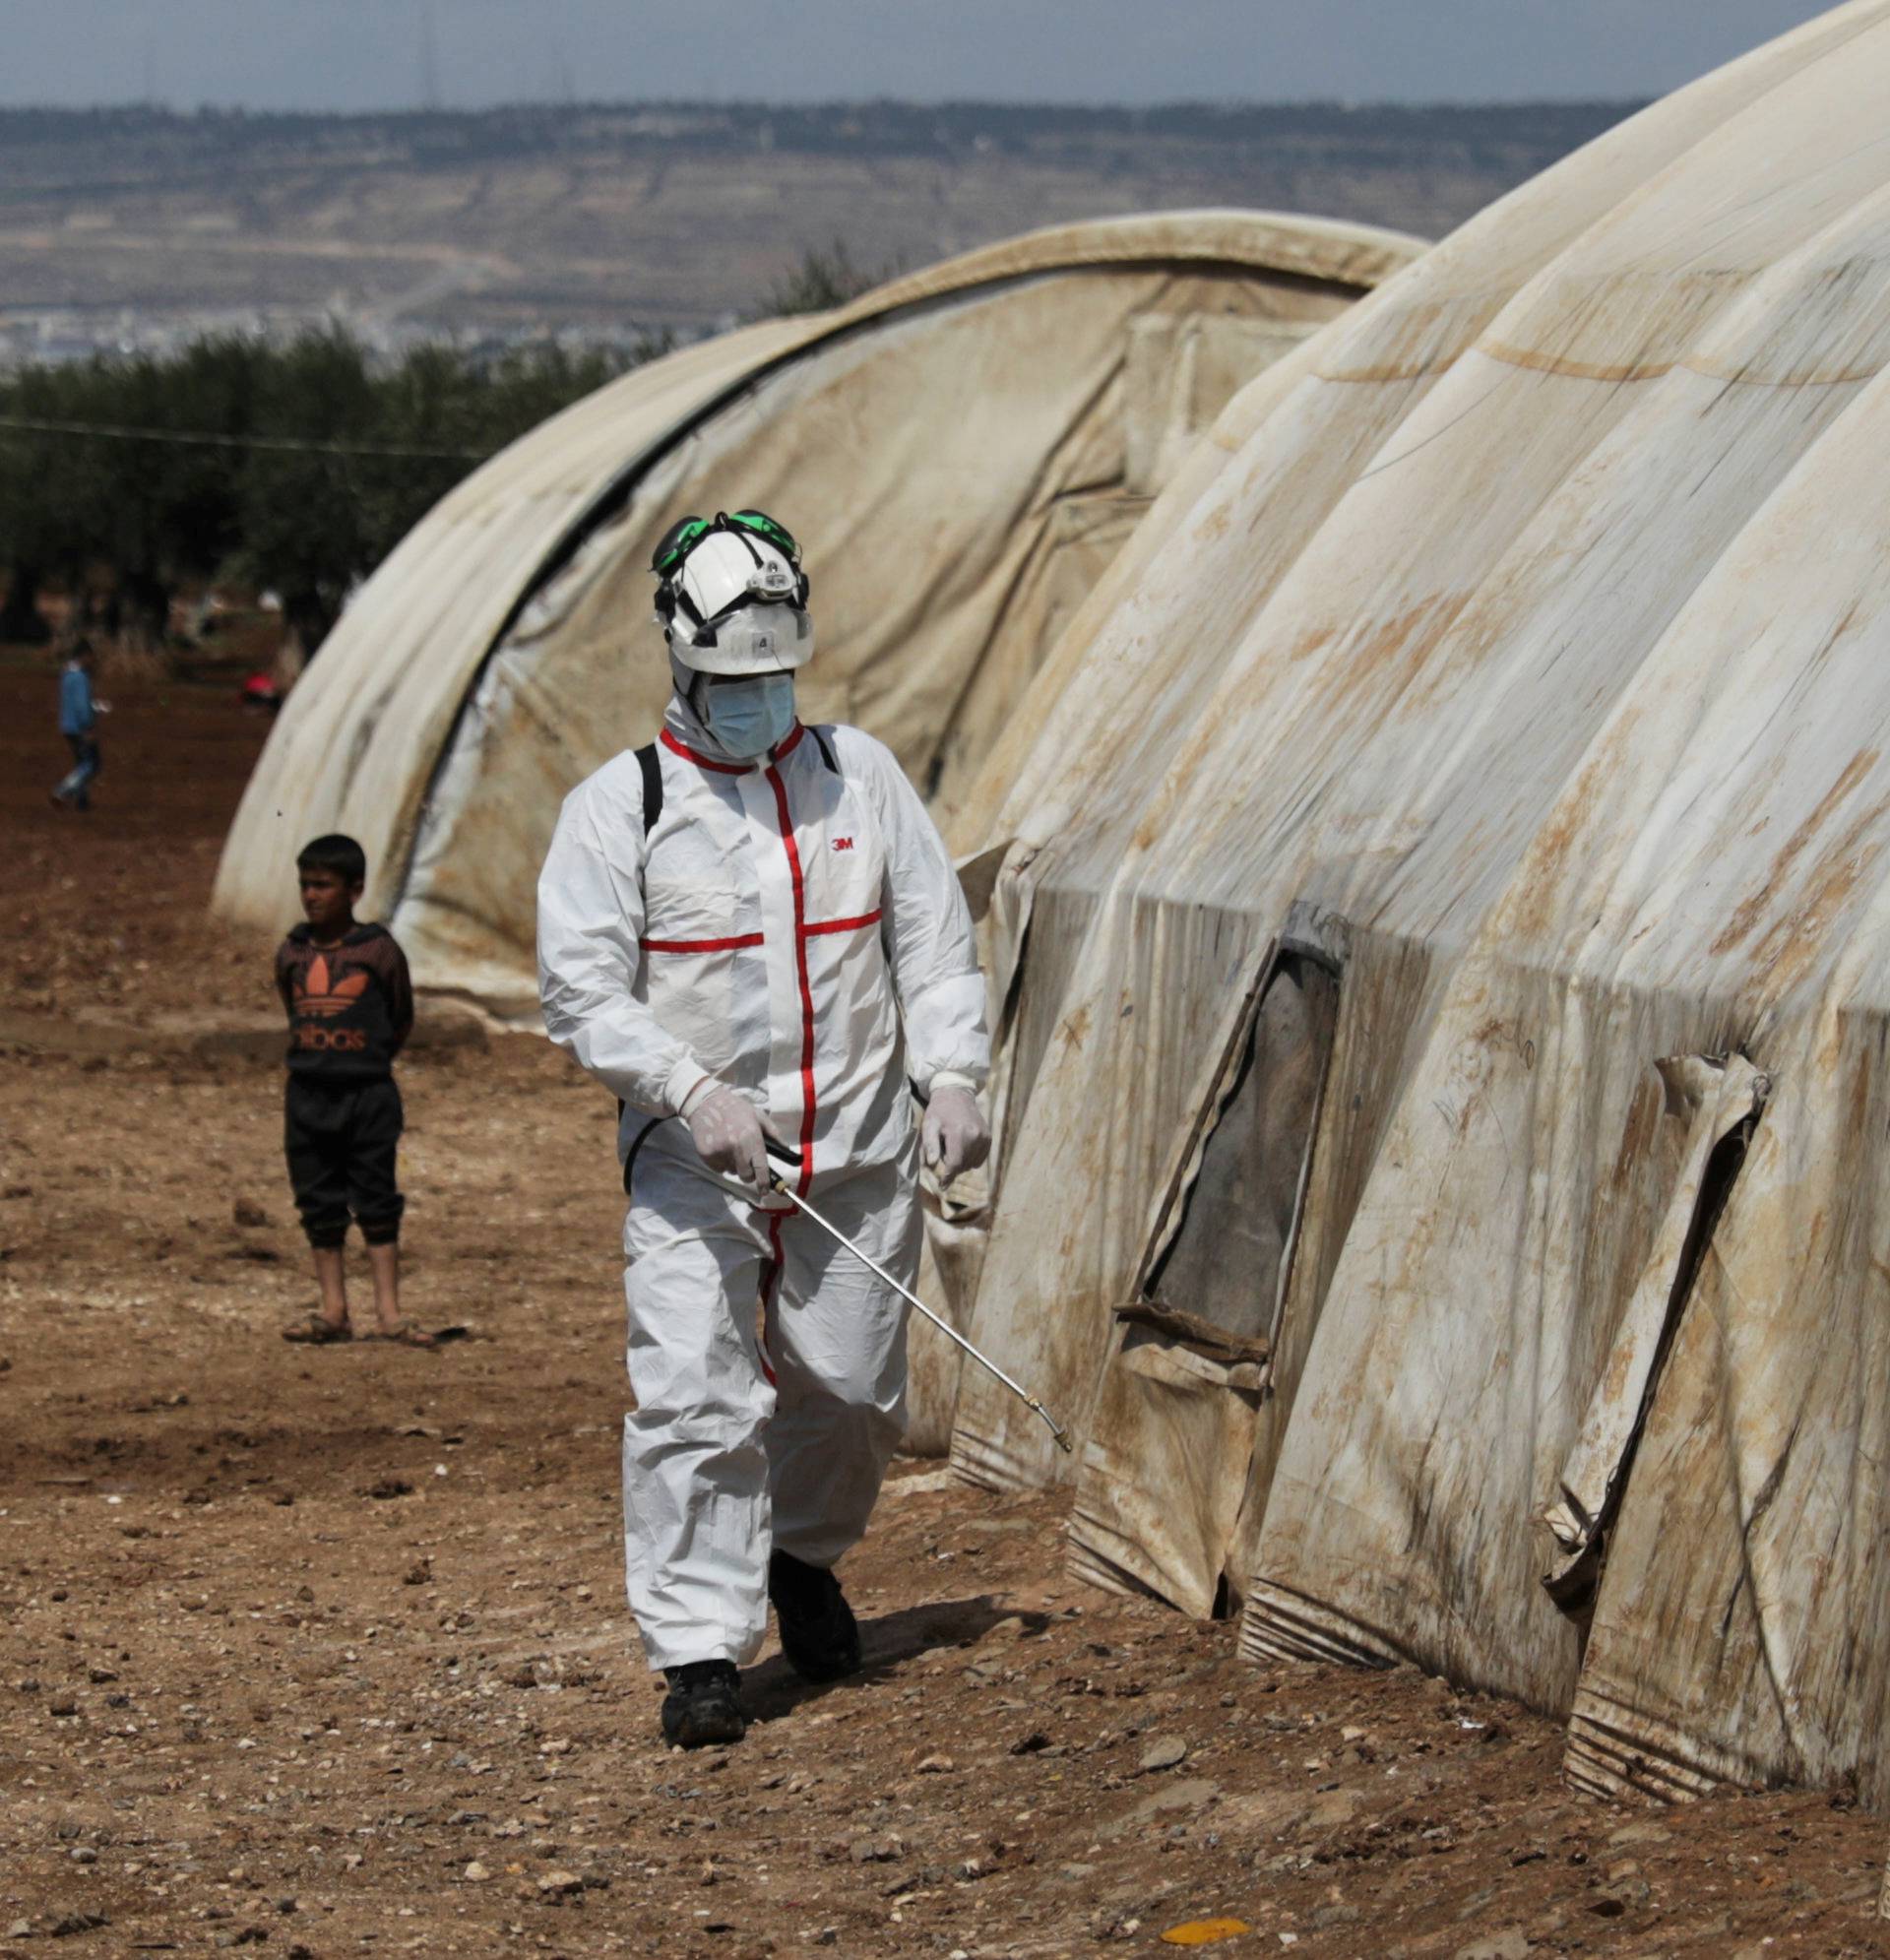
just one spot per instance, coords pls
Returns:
(341, 1139)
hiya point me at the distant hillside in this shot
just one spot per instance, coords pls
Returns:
(664, 214)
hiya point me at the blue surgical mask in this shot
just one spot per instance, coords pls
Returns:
(749, 717)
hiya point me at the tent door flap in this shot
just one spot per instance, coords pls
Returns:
(1726, 1095)
(1215, 1270)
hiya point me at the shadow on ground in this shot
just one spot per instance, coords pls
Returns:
(774, 1689)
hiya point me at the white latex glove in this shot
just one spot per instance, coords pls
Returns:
(727, 1130)
(954, 1136)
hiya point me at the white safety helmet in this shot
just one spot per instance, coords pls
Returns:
(732, 597)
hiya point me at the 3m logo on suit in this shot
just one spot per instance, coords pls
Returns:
(843, 843)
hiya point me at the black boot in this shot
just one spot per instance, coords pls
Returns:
(818, 1631)
(703, 1705)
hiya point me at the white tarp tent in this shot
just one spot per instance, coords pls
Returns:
(960, 453)
(1442, 937)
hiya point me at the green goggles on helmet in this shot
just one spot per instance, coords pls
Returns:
(687, 533)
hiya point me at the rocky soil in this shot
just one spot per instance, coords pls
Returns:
(325, 1652)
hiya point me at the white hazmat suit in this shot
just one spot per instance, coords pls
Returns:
(792, 927)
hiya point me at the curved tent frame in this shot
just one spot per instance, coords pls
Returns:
(388, 735)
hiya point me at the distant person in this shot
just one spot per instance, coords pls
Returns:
(79, 712)
(261, 694)
(351, 1010)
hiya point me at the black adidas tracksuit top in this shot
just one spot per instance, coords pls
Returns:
(350, 1008)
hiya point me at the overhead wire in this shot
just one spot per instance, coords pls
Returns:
(211, 438)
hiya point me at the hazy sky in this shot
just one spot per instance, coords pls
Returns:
(373, 53)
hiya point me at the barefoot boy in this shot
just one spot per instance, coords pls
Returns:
(351, 1008)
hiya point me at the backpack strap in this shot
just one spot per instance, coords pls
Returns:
(651, 766)
(636, 1143)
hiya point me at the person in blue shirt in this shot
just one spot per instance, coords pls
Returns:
(78, 714)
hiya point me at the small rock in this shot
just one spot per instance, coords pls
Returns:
(1512, 1943)
(937, 1766)
(244, 1212)
(475, 1873)
(82, 1853)
(1028, 1746)
(873, 1851)
(1643, 1831)
(1333, 1809)
(554, 1883)
(65, 1706)
(1163, 1753)
(1186, 1792)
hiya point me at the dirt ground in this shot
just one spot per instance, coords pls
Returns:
(326, 1652)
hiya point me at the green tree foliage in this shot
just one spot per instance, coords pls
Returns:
(824, 277)
(297, 468)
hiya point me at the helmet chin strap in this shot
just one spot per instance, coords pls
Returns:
(688, 682)
(695, 698)
(691, 688)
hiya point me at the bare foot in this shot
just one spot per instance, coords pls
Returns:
(408, 1335)
(318, 1331)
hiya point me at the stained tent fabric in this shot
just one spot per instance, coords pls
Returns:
(960, 453)
(1516, 655)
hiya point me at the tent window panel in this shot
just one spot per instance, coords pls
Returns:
(1721, 1099)
(1223, 1265)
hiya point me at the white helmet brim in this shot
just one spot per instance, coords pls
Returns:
(758, 639)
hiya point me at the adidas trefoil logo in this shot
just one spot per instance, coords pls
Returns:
(325, 997)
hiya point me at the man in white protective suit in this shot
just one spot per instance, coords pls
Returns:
(750, 931)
